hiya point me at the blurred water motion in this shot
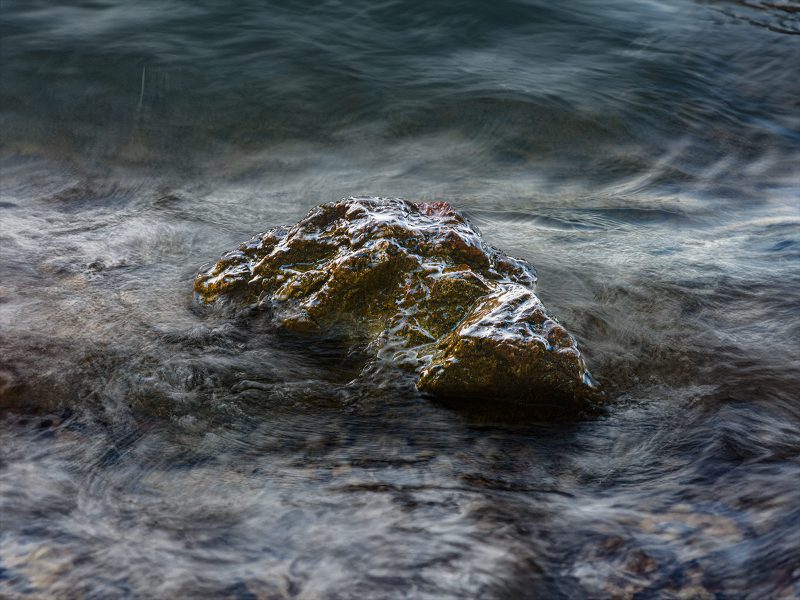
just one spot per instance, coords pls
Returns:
(643, 156)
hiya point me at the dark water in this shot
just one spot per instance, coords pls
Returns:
(644, 155)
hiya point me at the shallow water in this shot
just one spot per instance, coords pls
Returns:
(642, 155)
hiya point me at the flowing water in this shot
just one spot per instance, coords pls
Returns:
(643, 155)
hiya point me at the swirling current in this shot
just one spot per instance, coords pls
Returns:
(644, 156)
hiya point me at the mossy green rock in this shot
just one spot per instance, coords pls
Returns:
(414, 276)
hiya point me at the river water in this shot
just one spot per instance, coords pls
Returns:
(643, 155)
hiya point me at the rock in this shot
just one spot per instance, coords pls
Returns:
(414, 276)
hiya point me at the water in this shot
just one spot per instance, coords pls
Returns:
(643, 155)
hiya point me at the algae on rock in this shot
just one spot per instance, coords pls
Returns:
(418, 275)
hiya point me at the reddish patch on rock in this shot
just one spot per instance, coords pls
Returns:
(436, 209)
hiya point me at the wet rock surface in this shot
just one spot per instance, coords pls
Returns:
(417, 283)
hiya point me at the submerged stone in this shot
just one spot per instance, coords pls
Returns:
(418, 279)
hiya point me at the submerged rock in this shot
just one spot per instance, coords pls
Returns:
(418, 279)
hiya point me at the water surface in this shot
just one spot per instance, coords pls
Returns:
(642, 155)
